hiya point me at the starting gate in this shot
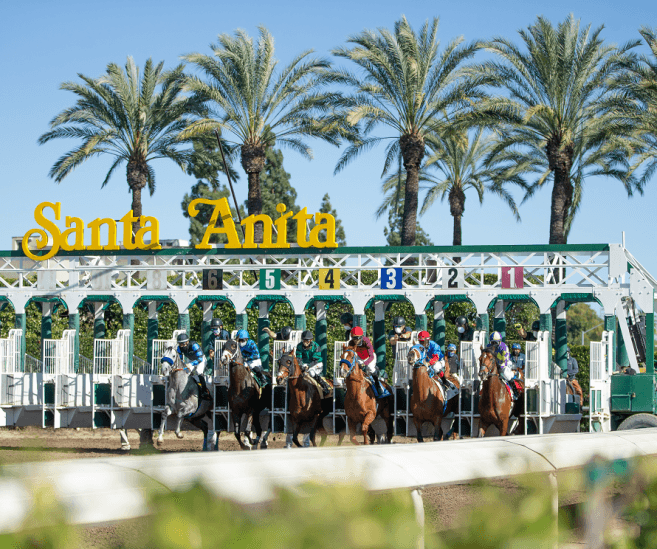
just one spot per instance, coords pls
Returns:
(468, 412)
(602, 366)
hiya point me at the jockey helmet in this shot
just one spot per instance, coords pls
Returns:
(286, 332)
(216, 323)
(495, 337)
(451, 347)
(347, 318)
(399, 321)
(423, 336)
(307, 334)
(242, 334)
(356, 331)
(182, 339)
(516, 346)
(536, 326)
(461, 324)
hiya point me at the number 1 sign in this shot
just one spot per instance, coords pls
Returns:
(512, 278)
(391, 278)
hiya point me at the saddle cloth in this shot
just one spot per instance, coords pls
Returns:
(447, 395)
(322, 395)
(386, 387)
(518, 386)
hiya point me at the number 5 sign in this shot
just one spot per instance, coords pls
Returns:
(512, 278)
(270, 279)
(391, 278)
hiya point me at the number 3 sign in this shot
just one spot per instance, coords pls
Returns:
(391, 278)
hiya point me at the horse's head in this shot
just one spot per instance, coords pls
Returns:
(168, 360)
(487, 363)
(413, 357)
(348, 361)
(285, 367)
(230, 351)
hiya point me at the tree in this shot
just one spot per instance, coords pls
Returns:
(393, 232)
(582, 318)
(637, 99)
(326, 208)
(556, 122)
(124, 116)
(406, 86)
(459, 161)
(258, 106)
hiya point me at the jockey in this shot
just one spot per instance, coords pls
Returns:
(283, 335)
(217, 332)
(251, 356)
(533, 336)
(453, 361)
(517, 358)
(347, 320)
(464, 330)
(310, 356)
(503, 359)
(399, 332)
(192, 356)
(365, 353)
(435, 358)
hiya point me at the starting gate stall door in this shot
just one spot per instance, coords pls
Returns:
(402, 380)
(113, 384)
(539, 392)
(339, 391)
(468, 411)
(602, 366)
(221, 380)
(15, 388)
(59, 379)
(158, 383)
(279, 396)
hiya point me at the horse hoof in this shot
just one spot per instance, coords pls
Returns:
(160, 442)
(180, 435)
(125, 448)
(264, 446)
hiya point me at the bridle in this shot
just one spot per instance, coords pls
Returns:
(287, 368)
(485, 371)
(350, 364)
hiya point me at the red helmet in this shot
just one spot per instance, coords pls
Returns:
(423, 336)
(356, 332)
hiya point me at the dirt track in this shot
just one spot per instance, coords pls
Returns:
(445, 506)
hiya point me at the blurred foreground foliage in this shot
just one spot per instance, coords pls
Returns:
(618, 498)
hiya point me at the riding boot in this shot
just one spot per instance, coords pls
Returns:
(325, 386)
(205, 392)
(378, 386)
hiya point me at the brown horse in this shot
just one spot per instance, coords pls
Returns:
(427, 401)
(574, 388)
(244, 398)
(305, 403)
(495, 404)
(360, 404)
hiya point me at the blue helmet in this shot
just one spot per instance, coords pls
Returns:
(242, 334)
(516, 346)
(451, 347)
(495, 337)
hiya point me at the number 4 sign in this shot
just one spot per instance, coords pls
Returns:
(512, 278)
(270, 279)
(391, 278)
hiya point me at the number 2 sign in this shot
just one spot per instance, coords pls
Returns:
(452, 278)
(391, 278)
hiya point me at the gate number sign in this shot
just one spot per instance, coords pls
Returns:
(270, 279)
(512, 278)
(213, 279)
(452, 278)
(329, 279)
(391, 278)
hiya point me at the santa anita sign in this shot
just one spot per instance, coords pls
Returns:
(221, 222)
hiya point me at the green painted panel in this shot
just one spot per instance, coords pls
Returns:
(159, 398)
(103, 394)
(633, 393)
(101, 419)
(49, 393)
(48, 418)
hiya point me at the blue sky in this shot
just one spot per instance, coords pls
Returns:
(46, 43)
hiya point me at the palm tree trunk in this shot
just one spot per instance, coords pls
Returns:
(137, 175)
(456, 209)
(253, 162)
(560, 159)
(412, 149)
(456, 240)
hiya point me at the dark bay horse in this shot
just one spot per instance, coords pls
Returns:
(427, 401)
(360, 404)
(244, 398)
(305, 404)
(495, 404)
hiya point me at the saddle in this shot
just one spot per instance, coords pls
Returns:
(516, 383)
(322, 394)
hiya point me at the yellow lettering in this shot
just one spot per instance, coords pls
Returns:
(43, 235)
(221, 210)
(249, 236)
(127, 220)
(153, 228)
(281, 227)
(323, 222)
(77, 230)
(95, 234)
(301, 217)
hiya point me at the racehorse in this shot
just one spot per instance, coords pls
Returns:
(183, 400)
(495, 404)
(574, 388)
(244, 397)
(360, 404)
(427, 400)
(305, 405)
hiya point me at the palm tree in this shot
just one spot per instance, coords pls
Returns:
(259, 106)
(557, 121)
(406, 86)
(123, 115)
(637, 99)
(459, 161)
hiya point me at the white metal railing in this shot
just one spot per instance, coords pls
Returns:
(402, 372)
(338, 377)
(85, 365)
(33, 365)
(111, 355)
(255, 477)
(159, 348)
(140, 366)
(10, 349)
(602, 367)
(58, 354)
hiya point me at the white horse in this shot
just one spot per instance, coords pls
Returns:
(184, 402)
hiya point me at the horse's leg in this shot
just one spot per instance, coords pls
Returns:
(369, 418)
(313, 430)
(236, 427)
(482, 428)
(295, 434)
(390, 422)
(200, 423)
(438, 429)
(163, 419)
(371, 433)
(352, 431)
(255, 424)
(418, 429)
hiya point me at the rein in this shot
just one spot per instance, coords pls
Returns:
(351, 365)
